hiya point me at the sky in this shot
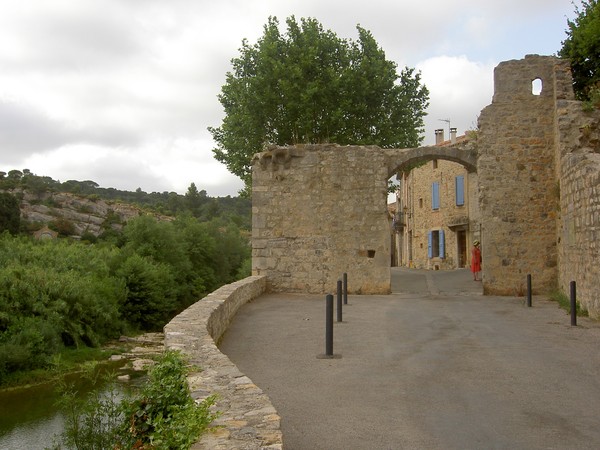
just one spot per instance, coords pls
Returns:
(121, 92)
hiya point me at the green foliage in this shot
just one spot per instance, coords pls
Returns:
(582, 48)
(163, 416)
(64, 227)
(10, 213)
(150, 299)
(564, 302)
(53, 295)
(196, 202)
(92, 421)
(62, 293)
(310, 86)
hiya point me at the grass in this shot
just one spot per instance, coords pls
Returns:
(564, 302)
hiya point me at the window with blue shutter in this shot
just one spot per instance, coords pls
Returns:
(436, 245)
(460, 190)
(430, 244)
(435, 195)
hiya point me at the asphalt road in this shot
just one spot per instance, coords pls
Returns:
(435, 365)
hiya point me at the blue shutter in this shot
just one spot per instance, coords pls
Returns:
(435, 195)
(429, 246)
(442, 245)
(460, 190)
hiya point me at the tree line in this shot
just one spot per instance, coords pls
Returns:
(67, 294)
(195, 201)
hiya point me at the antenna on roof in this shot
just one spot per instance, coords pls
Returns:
(448, 122)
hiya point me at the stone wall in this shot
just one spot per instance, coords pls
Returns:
(578, 231)
(320, 211)
(248, 419)
(517, 183)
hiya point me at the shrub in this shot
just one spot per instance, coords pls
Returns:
(162, 416)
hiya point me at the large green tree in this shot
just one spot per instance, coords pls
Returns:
(310, 86)
(582, 47)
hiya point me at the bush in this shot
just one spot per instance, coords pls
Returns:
(163, 416)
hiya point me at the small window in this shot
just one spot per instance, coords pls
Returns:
(435, 195)
(536, 86)
(420, 203)
(434, 164)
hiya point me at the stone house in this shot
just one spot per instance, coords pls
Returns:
(436, 216)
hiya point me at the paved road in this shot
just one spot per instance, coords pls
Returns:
(435, 365)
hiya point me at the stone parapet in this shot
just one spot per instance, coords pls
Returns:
(248, 420)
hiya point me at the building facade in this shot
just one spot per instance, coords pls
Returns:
(436, 216)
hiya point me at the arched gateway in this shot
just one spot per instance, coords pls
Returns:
(320, 210)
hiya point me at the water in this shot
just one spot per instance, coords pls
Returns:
(29, 418)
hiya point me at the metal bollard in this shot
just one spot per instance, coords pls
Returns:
(573, 304)
(329, 325)
(339, 300)
(529, 290)
(345, 278)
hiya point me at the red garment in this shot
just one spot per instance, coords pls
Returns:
(476, 260)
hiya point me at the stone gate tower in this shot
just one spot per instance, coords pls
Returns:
(518, 183)
(319, 211)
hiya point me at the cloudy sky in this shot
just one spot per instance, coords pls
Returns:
(121, 92)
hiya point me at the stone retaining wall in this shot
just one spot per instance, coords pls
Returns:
(248, 419)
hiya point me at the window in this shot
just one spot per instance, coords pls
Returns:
(434, 163)
(460, 190)
(435, 195)
(536, 86)
(420, 203)
(436, 247)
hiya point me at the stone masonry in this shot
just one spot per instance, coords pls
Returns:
(320, 210)
(449, 218)
(517, 182)
(578, 170)
(248, 420)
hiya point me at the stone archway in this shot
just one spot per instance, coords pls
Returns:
(320, 211)
(464, 153)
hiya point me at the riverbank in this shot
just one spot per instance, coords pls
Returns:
(134, 352)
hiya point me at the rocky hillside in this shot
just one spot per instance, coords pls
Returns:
(85, 214)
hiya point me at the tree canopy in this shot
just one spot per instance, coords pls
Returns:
(582, 47)
(10, 213)
(310, 86)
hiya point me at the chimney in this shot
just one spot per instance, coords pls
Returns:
(439, 136)
(453, 135)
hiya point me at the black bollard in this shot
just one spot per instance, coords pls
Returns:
(529, 290)
(345, 278)
(573, 304)
(329, 326)
(339, 300)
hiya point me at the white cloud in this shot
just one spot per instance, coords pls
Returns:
(122, 92)
(459, 89)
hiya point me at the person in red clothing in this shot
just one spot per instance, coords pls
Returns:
(476, 260)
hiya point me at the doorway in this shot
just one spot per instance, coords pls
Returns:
(461, 239)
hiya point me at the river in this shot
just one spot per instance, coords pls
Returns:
(29, 417)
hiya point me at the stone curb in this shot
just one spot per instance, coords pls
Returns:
(248, 420)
